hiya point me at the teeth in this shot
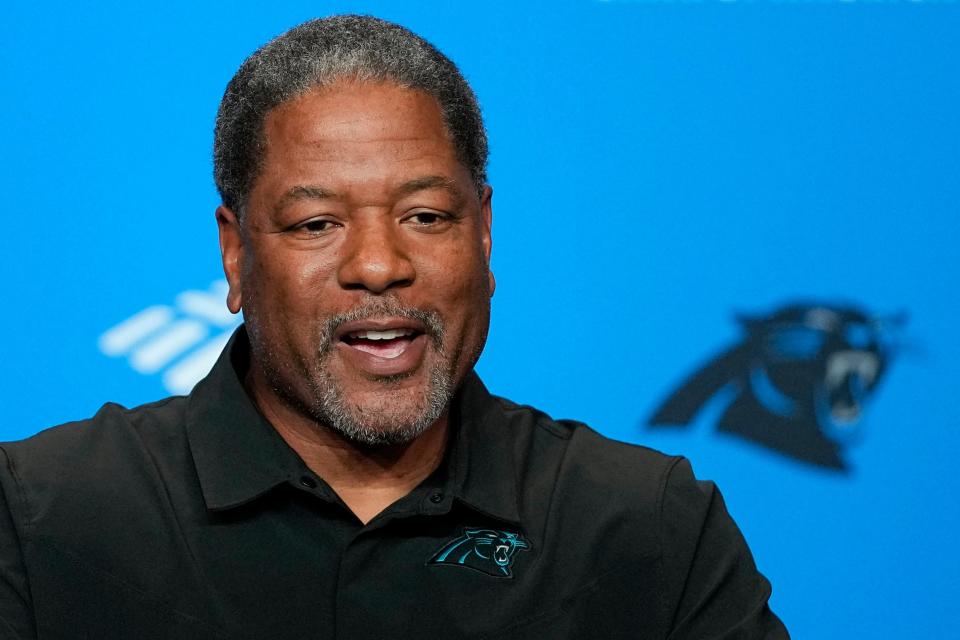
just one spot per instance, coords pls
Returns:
(389, 334)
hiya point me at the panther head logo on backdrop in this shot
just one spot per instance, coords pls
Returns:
(800, 378)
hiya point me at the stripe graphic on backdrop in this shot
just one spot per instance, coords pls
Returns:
(178, 342)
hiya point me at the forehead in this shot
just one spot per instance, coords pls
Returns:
(351, 112)
(357, 134)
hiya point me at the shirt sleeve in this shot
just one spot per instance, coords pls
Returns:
(16, 611)
(711, 582)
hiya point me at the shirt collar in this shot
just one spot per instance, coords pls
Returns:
(239, 456)
(237, 453)
(483, 453)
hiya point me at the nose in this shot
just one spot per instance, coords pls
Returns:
(374, 258)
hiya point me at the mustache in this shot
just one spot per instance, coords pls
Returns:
(379, 307)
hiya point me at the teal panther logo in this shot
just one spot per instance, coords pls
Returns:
(486, 550)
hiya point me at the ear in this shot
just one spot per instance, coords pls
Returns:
(231, 253)
(486, 219)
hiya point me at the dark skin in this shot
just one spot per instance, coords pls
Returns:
(361, 197)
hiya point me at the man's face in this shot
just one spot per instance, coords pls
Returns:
(362, 261)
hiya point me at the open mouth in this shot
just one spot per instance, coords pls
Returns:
(385, 343)
(382, 346)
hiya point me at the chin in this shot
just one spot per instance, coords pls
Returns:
(388, 426)
(393, 415)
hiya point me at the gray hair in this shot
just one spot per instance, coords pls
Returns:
(318, 53)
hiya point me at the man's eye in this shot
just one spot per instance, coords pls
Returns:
(428, 218)
(315, 226)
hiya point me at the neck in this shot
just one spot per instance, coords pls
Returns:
(367, 478)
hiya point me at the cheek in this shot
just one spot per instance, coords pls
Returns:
(463, 286)
(291, 280)
(470, 308)
(465, 264)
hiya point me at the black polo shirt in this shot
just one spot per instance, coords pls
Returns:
(191, 518)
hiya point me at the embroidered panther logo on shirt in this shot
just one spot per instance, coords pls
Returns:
(488, 550)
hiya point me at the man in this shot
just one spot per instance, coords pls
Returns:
(342, 472)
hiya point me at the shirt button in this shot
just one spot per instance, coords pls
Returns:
(436, 498)
(308, 482)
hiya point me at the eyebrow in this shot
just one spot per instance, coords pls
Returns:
(316, 192)
(428, 182)
(433, 182)
(302, 192)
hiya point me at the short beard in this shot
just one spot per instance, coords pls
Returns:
(389, 423)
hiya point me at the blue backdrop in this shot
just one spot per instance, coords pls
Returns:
(659, 167)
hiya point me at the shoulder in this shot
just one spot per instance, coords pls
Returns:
(77, 444)
(605, 501)
(579, 442)
(81, 464)
(587, 466)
